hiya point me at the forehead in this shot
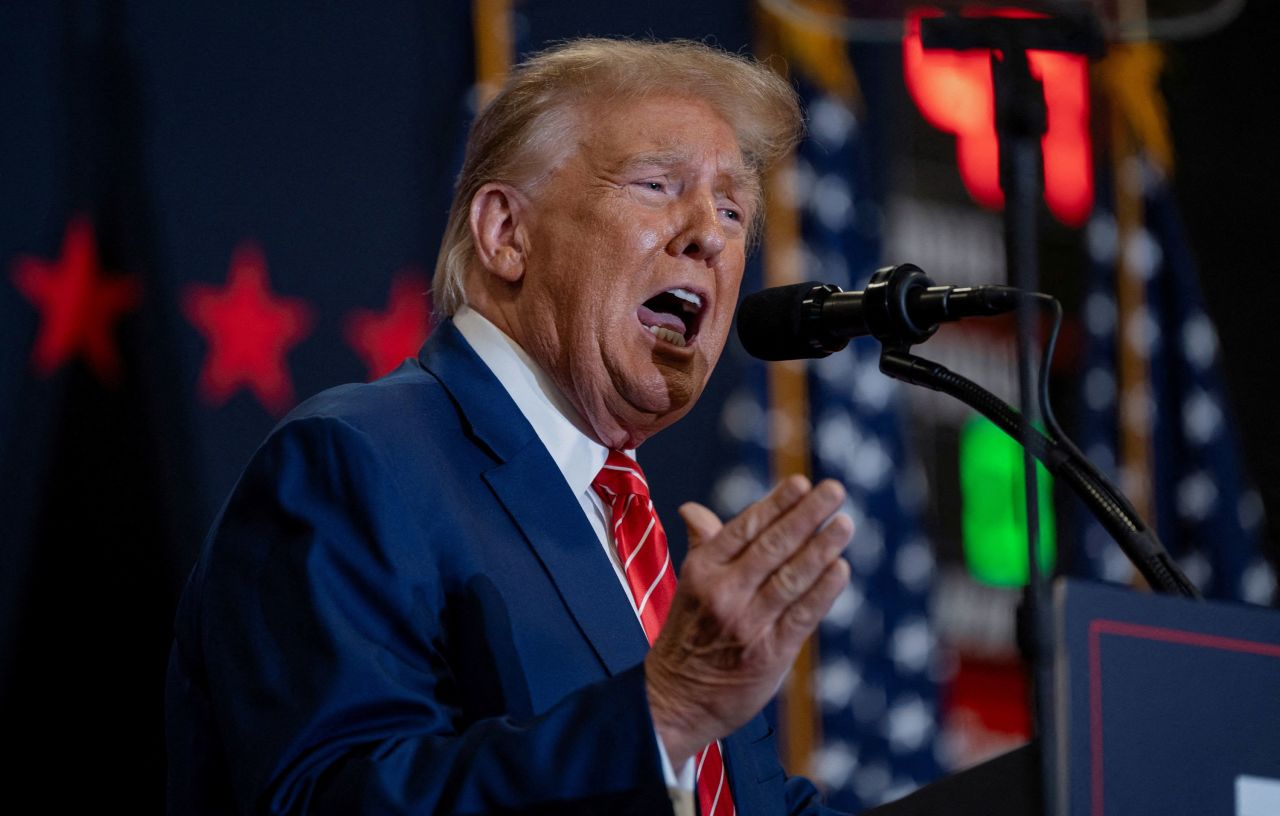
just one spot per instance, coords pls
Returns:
(664, 130)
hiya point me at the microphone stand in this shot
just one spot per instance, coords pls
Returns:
(1021, 114)
(1061, 458)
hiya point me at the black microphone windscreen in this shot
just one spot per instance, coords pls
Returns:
(770, 323)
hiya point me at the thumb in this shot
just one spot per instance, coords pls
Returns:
(701, 523)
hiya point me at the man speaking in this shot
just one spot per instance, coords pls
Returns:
(447, 591)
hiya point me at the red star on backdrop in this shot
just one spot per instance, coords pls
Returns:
(249, 331)
(79, 304)
(383, 339)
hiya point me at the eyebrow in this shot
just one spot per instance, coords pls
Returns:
(739, 175)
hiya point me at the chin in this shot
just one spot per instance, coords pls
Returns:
(649, 403)
(675, 407)
(682, 385)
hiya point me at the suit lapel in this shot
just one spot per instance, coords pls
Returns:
(527, 482)
(569, 549)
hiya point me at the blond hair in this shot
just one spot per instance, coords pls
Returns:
(520, 136)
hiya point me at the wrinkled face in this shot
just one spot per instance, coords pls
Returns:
(635, 247)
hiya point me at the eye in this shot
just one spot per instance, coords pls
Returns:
(653, 186)
(732, 215)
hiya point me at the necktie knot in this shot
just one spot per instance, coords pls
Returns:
(620, 476)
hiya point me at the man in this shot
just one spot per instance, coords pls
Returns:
(423, 594)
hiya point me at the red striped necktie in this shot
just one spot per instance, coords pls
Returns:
(646, 563)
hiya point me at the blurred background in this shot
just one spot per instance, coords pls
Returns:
(209, 212)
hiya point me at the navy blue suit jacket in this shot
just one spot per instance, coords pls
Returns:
(401, 609)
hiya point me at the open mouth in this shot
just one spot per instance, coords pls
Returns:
(673, 316)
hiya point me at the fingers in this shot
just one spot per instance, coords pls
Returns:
(798, 574)
(751, 590)
(701, 523)
(748, 524)
(802, 617)
(775, 544)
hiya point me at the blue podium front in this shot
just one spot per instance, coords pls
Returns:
(1165, 705)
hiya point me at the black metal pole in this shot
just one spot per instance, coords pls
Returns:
(1021, 119)
(1021, 122)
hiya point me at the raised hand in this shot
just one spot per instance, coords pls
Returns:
(750, 592)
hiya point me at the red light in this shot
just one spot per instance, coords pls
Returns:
(953, 91)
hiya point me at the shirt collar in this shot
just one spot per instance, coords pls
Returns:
(554, 420)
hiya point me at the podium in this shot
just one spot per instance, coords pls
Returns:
(1165, 705)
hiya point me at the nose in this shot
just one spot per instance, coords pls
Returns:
(701, 236)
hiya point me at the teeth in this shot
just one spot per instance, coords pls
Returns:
(666, 334)
(687, 296)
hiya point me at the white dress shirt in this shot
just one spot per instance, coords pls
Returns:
(579, 457)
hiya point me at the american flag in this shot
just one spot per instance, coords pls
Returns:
(875, 682)
(1204, 509)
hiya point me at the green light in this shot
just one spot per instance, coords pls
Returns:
(994, 519)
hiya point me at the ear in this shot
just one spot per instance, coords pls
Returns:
(497, 230)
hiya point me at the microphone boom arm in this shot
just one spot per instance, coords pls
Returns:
(1136, 539)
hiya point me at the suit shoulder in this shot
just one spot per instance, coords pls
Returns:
(397, 407)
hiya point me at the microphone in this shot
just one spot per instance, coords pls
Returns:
(900, 307)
